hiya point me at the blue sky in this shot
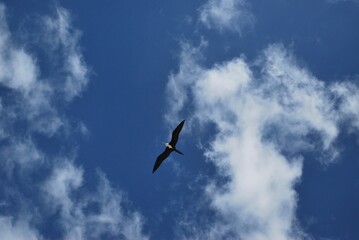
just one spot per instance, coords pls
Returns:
(90, 90)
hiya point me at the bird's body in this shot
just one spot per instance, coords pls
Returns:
(170, 147)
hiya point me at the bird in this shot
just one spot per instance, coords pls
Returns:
(170, 147)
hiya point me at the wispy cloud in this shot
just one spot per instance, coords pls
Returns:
(17, 229)
(78, 219)
(38, 185)
(20, 154)
(267, 114)
(341, 1)
(232, 15)
(21, 76)
(348, 101)
(62, 36)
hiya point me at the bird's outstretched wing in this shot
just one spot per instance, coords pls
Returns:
(175, 134)
(161, 158)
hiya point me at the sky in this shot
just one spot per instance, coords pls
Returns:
(269, 90)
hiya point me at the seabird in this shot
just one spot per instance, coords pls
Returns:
(170, 147)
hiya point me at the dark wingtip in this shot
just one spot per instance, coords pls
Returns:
(182, 123)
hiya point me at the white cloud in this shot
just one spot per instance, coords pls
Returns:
(348, 101)
(23, 70)
(188, 72)
(61, 35)
(78, 218)
(341, 1)
(20, 75)
(30, 98)
(111, 216)
(11, 229)
(230, 15)
(38, 181)
(64, 179)
(266, 117)
(20, 154)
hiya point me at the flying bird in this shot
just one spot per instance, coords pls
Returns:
(170, 147)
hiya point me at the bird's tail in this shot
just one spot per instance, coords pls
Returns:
(178, 151)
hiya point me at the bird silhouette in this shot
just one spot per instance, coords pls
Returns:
(170, 147)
